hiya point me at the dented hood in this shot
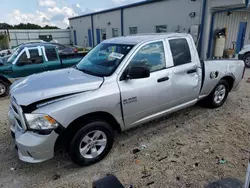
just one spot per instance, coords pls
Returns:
(53, 84)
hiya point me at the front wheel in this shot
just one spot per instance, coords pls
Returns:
(218, 96)
(91, 143)
(4, 88)
(247, 60)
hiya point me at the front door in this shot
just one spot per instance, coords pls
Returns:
(241, 36)
(143, 98)
(27, 66)
(98, 36)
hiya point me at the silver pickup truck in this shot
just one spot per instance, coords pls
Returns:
(123, 82)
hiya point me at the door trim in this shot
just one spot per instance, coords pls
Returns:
(162, 113)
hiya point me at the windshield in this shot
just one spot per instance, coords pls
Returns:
(14, 55)
(104, 59)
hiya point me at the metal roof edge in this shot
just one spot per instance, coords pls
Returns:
(117, 8)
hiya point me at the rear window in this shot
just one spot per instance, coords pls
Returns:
(180, 51)
(51, 54)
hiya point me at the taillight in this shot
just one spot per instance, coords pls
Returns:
(243, 72)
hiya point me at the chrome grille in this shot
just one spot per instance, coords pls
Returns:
(18, 114)
(14, 108)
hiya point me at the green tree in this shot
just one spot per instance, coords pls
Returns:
(25, 26)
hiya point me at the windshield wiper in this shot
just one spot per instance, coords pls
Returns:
(88, 72)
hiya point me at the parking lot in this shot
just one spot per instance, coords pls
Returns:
(186, 149)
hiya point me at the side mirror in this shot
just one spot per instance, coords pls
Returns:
(138, 72)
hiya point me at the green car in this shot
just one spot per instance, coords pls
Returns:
(31, 59)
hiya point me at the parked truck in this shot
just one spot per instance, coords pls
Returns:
(31, 59)
(121, 83)
(244, 55)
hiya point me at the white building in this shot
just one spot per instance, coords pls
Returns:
(19, 36)
(198, 17)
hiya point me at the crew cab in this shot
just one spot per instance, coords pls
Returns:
(30, 59)
(121, 83)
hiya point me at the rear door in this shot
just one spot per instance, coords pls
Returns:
(186, 76)
(52, 61)
(26, 66)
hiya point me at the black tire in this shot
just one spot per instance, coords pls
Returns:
(74, 150)
(246, 60)
(210, 100)
(108, 182)
(7, 87)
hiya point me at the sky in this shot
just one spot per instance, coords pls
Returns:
(52, 12)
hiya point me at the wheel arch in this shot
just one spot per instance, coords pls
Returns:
(245, 54)
(5, 79)
(230, 80)
(67, 134)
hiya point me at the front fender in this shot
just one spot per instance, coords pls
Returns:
(106, 99)
(6, 71)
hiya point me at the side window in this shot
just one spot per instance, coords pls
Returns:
(161, 28)
(23, 59)
(51, 54)
(104, 34)
(151, 55)
(180, 51)
(34, 58)
(133, 30)
(115, 32)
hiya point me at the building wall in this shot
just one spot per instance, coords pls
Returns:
(81, 26)
(107, 21)
(232, 23)
(18, 37)
(173, 13)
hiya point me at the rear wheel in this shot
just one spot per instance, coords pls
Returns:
(91, 143)
(247, 60)
(218, 96)
(4, 88)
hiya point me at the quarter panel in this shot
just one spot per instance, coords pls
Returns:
(233, 68)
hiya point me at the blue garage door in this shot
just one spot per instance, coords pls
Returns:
(241, 36)
(75, 37)
(90, 37)
(98, 36)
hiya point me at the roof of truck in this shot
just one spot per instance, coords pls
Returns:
(135, 39)
(37, 44)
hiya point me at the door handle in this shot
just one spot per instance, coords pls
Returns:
(191, 71)
(163, 79)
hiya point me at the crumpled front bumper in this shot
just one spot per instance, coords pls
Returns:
(32, 147)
